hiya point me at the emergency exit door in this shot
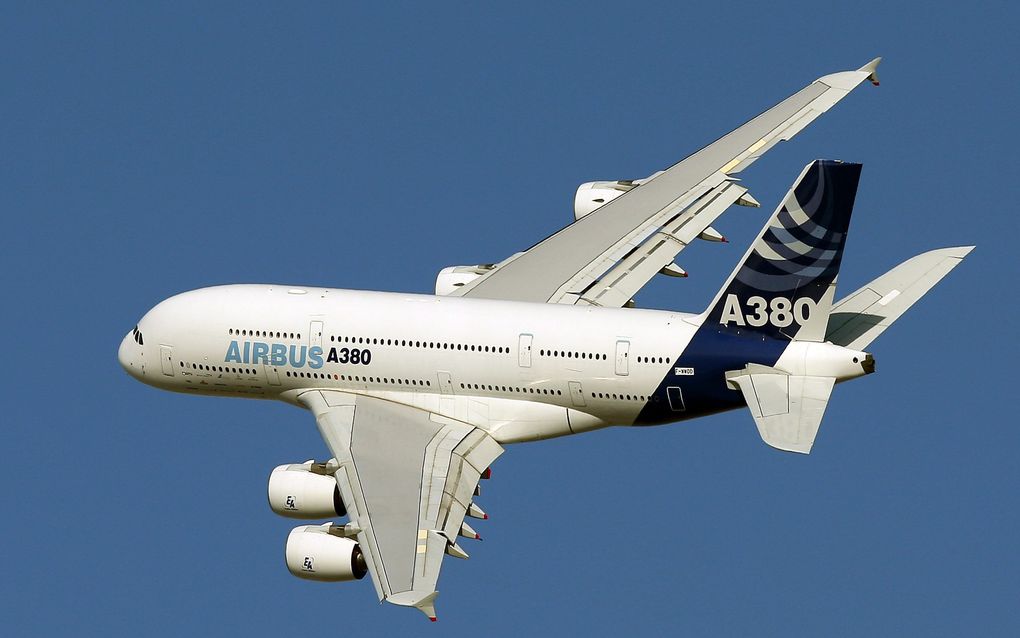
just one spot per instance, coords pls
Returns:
(315, 334)
(623, 358)
(524, 351)
(166, 359)
(576, 393)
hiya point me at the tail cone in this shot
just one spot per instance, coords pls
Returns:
(868, 364)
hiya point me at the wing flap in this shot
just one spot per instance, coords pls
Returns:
(558, 266)
(631, 273)
(407, 477)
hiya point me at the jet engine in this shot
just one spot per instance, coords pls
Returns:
(305, 490)
(593, 195)
(317, 552)
(451, 278)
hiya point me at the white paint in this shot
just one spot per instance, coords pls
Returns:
(808, 358)
(481, 361)
(315, 554)
(295, 492)
(889, 296)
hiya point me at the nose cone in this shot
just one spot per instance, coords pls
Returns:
(126, 354)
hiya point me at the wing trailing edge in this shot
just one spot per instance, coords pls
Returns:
(571, 264)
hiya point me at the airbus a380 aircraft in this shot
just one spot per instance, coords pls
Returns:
(416, 395)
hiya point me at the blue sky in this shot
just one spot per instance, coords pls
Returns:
(148, 150)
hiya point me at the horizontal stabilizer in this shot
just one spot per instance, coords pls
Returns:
(786, 408)
(858, 319)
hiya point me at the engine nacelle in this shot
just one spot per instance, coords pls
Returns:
(313, 553)
(593, 195)
(451, 278)
(303, 490)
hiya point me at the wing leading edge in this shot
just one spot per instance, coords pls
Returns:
(407, 477)
(609, 254)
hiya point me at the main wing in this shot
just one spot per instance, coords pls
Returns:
(407, 477)
(608, 255)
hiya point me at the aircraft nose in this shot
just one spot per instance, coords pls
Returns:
(124, 354)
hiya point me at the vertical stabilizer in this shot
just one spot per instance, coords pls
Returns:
(785, 284)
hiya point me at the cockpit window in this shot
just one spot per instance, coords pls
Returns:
(138, 336)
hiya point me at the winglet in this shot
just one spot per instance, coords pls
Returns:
(427, 606)
(425, 602)
(872, 69)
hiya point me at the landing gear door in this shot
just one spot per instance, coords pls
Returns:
(166, 359)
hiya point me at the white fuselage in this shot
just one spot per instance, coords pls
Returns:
(521, 371)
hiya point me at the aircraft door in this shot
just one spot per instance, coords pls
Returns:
(524, 351)
(166, 359)
(676, 399)
(445, 382)
(315, 334)
(272, 374)
(623, 358)
(576, 394)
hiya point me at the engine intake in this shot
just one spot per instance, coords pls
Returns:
(306, 491)
(590, 196)
(451, 278)
(315, 553)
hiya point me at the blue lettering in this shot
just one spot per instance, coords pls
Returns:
(233, 353)
(247, 351)
(259, 352)
(294, 361)
(315, 357)
(278, 355)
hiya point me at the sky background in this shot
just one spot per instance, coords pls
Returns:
(148, 149)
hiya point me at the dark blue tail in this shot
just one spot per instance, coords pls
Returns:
(784, 286)
(782, 290)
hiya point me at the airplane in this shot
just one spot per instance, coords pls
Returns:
(417, 395)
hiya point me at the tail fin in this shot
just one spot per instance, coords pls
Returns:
(785, 284)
